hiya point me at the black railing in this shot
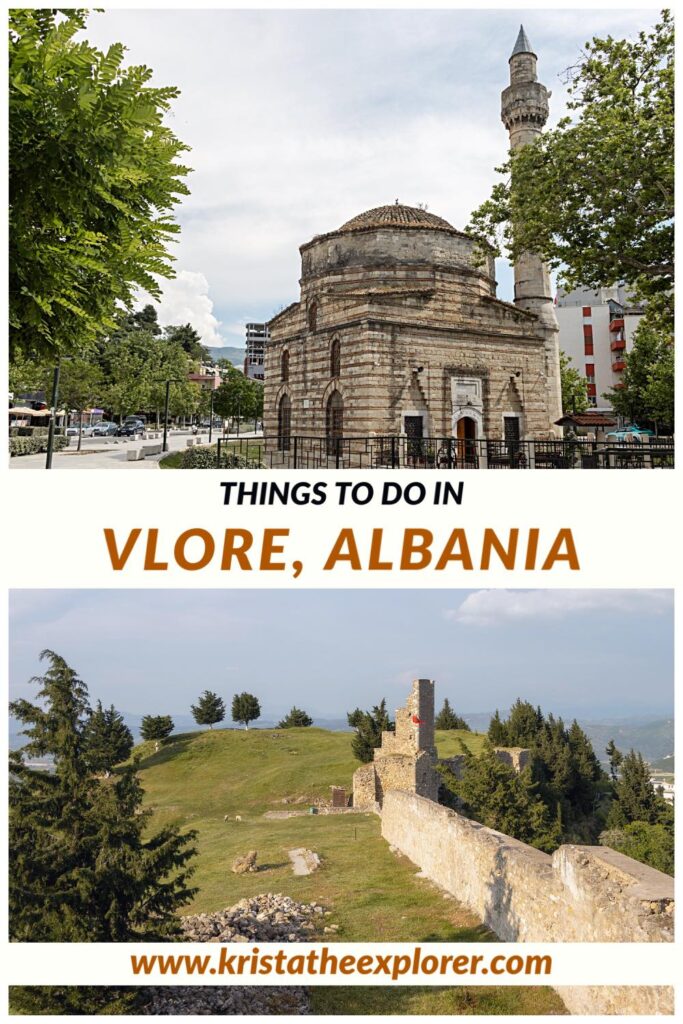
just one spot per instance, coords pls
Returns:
(400, 452)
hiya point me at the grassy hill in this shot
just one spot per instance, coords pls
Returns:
(199, 778)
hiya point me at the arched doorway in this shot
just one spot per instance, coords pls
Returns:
(334, 422)
(284, 423)
(466, 434)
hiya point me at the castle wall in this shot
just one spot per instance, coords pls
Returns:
(580, 894)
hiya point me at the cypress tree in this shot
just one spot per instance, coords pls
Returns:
(369, 726)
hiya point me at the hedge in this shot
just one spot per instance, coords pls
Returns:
(204, 457)
(35, 445)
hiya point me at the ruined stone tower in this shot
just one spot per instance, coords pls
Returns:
(524, 111)
(407, 758)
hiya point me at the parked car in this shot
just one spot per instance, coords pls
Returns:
(136, 419)
(105, 428)
(86, 431)
(130, 428)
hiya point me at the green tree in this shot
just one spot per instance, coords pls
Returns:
(574, 387)
(108, 740)
(650, 844)
(636, 798)
(245, 708)
(156, 727)
(238, 397)
(80, 386)
(615, 758)
(295, 719)
(369, 726)
(94, 176)
(209, 709)
(646, 390)
(594, 197)
(85, 863)
(492, 792)
(189, 340)
(496, 731)
(447, 718)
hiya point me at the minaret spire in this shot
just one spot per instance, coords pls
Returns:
(522, 45)
(524, 111)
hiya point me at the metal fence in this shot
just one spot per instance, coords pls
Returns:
(401, 452)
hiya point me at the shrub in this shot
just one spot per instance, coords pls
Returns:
(204, 457)
(36, 444)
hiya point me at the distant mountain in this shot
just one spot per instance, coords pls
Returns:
(229, 352)
(664, 764)
(654, 738)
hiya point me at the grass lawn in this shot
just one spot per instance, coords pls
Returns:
(197, 779)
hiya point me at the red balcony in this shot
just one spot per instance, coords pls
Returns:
(618, 344)
(617, 325)
(618, 365)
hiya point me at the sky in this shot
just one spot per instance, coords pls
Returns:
(588, 653)
(299, 120)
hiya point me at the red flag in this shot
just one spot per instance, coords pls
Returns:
(417, 721)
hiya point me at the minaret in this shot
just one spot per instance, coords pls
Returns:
(524, 111)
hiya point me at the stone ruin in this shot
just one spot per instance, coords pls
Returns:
(579, 894)
(407, 758)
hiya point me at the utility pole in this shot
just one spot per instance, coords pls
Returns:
(53, 413)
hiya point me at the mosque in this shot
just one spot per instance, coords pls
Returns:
(398, 330)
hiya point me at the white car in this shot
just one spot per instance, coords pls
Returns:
(85, 432)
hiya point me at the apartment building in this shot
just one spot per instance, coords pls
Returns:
(596, 331)
(254, 360)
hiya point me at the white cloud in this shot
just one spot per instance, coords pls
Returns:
(298, 120)
(495, 607)
(186, 300)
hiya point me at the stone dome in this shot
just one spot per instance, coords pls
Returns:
(395, 216)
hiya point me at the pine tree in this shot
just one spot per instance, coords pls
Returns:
(295, 719)
(635, 796)
(209, 709)
(492, 792)
(497, 732)
(108, 740)
(615, 758)
(85, 865)
(245, 708)
(369, 726)
(156, 727)
(447, 719)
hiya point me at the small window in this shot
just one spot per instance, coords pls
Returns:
(313, 316)
(335, 359)
(284, 367)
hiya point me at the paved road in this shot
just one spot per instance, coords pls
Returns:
(107, 453)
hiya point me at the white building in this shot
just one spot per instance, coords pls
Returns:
(596, 330)
(254, 362)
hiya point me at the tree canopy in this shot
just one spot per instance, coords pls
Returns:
(209, 709)
(369, 726)
(594, 197)
(448, 719)
(573, 385)
(245, 708)
(295, 719)
(156, 727)
(86, 865)
(108, 740)
(94, 179)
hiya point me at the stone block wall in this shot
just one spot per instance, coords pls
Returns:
(580, 894)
